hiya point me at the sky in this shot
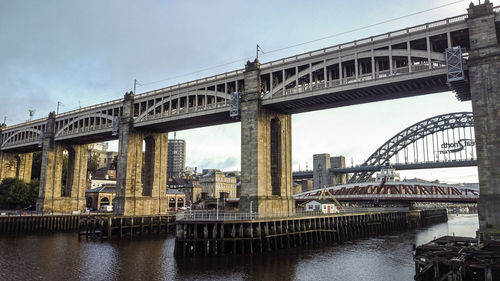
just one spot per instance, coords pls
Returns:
(81, 53)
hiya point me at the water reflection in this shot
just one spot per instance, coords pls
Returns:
(64, 257)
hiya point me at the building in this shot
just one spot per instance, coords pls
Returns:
(175, 199)
(190, 171)
(100, 196)
(322, 163)
(176, 159)
(324, 206)
(102, 176)
(190, 187)
(306, 184)
(389, 174)
(105, 157)
(297, 188)
(216, 182)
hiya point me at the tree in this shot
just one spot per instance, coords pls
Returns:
(15, 193)
(93, 163)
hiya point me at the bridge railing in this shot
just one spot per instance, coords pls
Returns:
(398, 196)
(210, 215)
(384, 36)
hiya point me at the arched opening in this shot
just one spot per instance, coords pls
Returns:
(18, 165)
(148, 166)
(276, 156)
(171, 204)
(180, 202)
(69, 162)
(104, 202)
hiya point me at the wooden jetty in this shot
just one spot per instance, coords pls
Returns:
(230, 234)
(125, 226)
(457, 259)
(38, 223)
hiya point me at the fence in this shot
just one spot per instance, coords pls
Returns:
(205, 215)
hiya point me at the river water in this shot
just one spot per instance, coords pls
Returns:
(64, 257)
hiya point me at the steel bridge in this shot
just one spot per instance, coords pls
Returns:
(459, 53)
(395, 192)
(443, 141)
(402, 63)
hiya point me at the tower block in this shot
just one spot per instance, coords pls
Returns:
(266, 153)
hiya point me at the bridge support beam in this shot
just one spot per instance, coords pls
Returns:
(266, 153)
(14, 165)
(484, 70)
(138, 193)
(53, 197)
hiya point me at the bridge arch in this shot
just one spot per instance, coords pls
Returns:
(79, 118)
(411, 135)
(413, 53)
(20, 132)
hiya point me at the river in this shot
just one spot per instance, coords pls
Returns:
(63, 257)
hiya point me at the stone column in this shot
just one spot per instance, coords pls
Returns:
(266, 153)
(8, 165)
(24, 166)
(76, 179)
(50, 196)
(139, 194)
(46, 189)
(14, 165)
(484, 71)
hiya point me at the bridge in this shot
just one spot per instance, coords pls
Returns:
(443, 141)
(418, 60)
(395, 192)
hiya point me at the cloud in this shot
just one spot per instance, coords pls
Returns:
(90, 52)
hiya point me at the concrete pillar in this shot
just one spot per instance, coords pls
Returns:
(484, 70)
(50, 197)
(266, 153)
(139, 194)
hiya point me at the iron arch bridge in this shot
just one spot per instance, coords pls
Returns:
(445, 140)
(394, 192)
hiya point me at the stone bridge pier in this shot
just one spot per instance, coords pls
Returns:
(484, 73)
(52, 197)
(266, 153)
(16, 165)
(141, 183)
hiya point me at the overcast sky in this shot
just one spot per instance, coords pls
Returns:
(86, 52)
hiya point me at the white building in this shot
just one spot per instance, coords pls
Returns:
(325, 206)
(389, 174)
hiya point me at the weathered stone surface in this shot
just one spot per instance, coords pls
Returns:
(256, 170)
(138, 195)
(14, 165)
(484, 71)
(51, 197)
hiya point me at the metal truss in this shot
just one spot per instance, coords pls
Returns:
(409, 136)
